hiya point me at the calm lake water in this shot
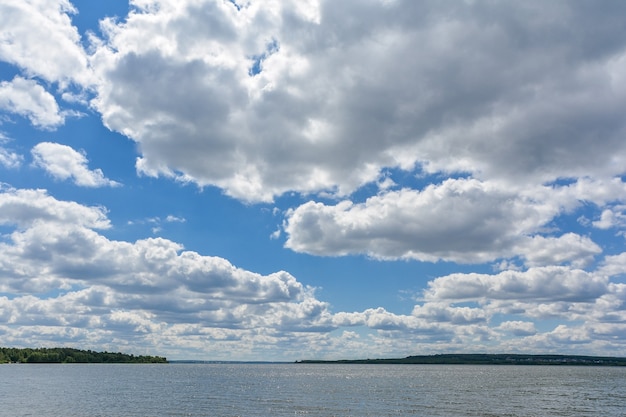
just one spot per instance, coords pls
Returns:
(310, 390)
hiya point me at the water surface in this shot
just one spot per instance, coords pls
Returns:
(310, 390)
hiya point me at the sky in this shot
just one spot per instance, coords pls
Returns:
(313, 179)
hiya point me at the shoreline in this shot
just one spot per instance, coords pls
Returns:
(484, 359)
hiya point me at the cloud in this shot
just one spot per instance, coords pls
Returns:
(526, 94)
(442, 312)
(8, 158)
(78, 279)
(571, 248)
(36, 33)
(614, 265)
(29, 99)
(174, 219)
(157, 223)
(611, 217)
(460, 220)
(63, 163)
(26, 208)
(513, 112)
(551, 283)
(518, 328)
(496, 313)
(64, 281)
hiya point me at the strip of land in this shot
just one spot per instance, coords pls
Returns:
(489, 359)
(69, 355)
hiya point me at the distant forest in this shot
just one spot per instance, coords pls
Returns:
(489, 359)
(69, 355)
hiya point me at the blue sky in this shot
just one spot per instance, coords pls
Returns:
(313, 179)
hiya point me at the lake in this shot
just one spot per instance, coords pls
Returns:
(310, 390)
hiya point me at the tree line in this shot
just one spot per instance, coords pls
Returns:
(70, 355)
(489, 359)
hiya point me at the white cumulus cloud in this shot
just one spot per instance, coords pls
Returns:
(38, 37)
(271, 97)
(63, 163)
(462, 220)
(29, 99)
(107, 288)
